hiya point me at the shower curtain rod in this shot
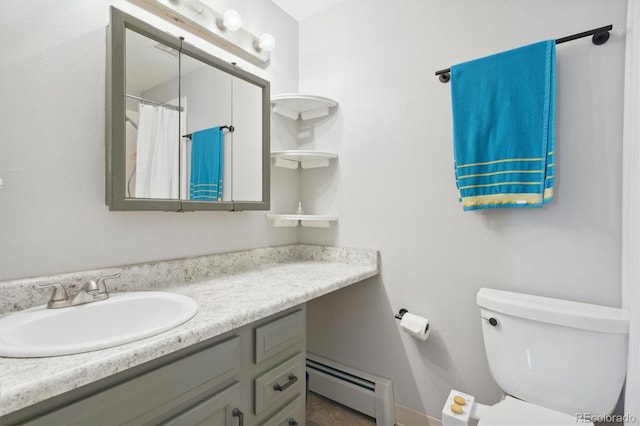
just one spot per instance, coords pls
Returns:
(231, 129)
(149, 101)
(600, 36)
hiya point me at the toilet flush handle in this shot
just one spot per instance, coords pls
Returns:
(492, 321)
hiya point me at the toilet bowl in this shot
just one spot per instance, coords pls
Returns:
(508, 412)
(558, 361)
(514, 412)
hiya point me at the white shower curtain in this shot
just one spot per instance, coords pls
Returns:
(157, 158)
(631, 210)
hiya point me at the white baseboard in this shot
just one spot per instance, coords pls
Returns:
(408, 417)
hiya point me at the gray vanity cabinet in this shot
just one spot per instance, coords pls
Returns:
(253, 375)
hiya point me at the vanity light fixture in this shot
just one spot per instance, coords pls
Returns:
(231, 20)
(266, 42)
(223, 29)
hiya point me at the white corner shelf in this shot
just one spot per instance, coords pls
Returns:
(307, 220)
(306, 159)
(305, 107)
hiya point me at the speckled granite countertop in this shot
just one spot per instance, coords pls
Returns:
(232, 290)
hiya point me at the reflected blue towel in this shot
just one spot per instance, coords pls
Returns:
(207, 161)
(503, 128)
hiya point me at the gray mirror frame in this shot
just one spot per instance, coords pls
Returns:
(115, 184)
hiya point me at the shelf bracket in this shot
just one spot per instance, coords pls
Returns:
(312, 164)
(287, 164)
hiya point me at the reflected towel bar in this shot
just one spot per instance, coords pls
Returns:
(600, 36)
(231, 129)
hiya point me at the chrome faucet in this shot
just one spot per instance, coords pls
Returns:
(90, 291)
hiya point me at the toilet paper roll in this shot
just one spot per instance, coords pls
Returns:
(415, 325)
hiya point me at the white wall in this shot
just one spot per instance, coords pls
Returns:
(53, 217)
(393, 187)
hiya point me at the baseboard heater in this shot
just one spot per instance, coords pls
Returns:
(363, 392)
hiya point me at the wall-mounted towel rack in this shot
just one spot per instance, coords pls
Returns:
(600, 36)
(231, 129)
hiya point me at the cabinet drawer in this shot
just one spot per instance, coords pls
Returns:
(151, 394)
(279, 383)
(278, 335)
(214, 410)
(292, 414)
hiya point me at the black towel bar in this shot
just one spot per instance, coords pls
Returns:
(600, 36)
(231, 129)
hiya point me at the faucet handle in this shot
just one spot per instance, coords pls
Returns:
(102, 288)
(90, 287)
(59, 296)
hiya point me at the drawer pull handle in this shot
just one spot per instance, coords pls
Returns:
(292, 379)
(240, 415)
(292, 422)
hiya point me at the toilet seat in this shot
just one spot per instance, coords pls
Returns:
(514, 412)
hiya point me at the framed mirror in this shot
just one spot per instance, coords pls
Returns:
(185, 130)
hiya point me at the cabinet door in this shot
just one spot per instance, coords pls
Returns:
(216, 410)
(155, 393)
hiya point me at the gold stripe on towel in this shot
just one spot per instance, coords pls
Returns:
(501, 199)
(498, 161)
(498, 184)
(499, 173)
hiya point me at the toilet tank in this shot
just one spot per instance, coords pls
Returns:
(563, 355)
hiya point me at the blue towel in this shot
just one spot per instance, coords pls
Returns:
(503, 128)
(207, 164)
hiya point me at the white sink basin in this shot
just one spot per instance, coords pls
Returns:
(123, 318)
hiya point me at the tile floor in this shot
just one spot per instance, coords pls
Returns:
(325, 412)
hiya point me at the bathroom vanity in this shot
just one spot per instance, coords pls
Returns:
(239, 361)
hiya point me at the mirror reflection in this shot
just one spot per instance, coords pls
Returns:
(153, 114)
(208, 139)
(247, 143)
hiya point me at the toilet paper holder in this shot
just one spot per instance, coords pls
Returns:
(401, 313)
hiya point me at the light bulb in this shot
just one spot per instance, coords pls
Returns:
(231, 20)
(267, 42)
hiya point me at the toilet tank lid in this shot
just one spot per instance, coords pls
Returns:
(555, 311)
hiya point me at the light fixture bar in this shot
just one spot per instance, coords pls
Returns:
(195, 15)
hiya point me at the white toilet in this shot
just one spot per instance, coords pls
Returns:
(559, 362)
